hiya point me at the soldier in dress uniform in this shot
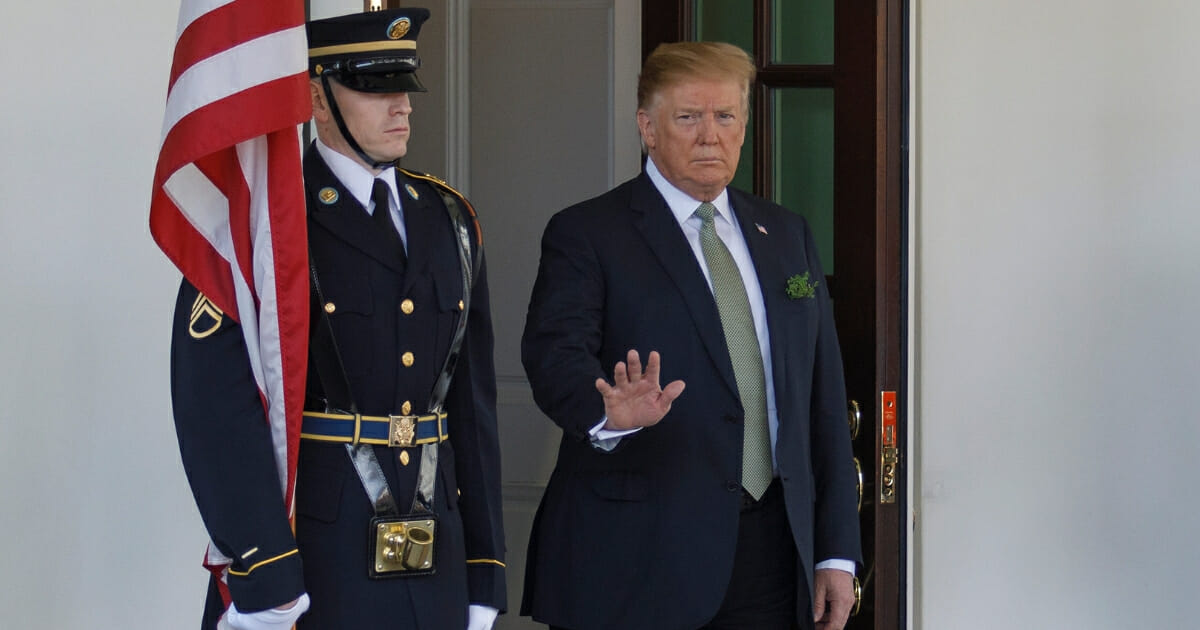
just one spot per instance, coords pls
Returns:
(398, 510)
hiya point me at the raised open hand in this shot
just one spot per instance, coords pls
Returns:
(635, 399)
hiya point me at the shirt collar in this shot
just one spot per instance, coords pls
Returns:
(683, 205)
(357, 180)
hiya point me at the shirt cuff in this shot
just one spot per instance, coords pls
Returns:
(836, 563)
(607, 439)
(481, 617)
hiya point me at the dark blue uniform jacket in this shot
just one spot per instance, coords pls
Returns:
(227, 452)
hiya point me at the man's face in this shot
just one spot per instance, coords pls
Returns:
(693, 131)
(377, 120)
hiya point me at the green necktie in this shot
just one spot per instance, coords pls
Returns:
(736, 319)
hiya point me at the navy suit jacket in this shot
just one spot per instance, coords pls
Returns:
(644, 536)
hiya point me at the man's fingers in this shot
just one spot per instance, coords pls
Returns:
(653, 365)
(635, 366)
(620, 375)
(603, 387)
(672, 391)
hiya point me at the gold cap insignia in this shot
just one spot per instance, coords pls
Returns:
(206, 318)
(327, 195)
(399, 28)
(412, 192)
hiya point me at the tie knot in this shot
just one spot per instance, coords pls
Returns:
(706, 212)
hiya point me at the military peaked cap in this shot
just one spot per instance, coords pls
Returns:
(374, 51)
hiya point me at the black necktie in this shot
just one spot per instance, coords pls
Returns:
(383, 217)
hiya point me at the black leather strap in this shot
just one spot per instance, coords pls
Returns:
(469, 266)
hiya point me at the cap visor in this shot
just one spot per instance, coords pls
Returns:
(386, 82)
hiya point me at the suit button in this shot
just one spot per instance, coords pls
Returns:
(330, 307)
(406, 307)
(407, 359)
(733, 486)
(733, 419)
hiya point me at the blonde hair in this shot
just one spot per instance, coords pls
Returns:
(671, 64)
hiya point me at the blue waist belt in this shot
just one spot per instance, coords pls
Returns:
(398, 431)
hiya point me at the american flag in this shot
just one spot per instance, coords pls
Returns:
(228, 201)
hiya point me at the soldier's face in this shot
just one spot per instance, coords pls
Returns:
(377, 120)
(694, 131)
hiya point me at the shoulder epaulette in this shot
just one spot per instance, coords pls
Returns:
(440, 183)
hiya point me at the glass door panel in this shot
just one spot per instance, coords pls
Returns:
(802, 32)
(802, 160)
(726, 21)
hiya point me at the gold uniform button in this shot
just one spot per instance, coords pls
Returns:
(406, 307)
(403, 458)
(329, 307)
(460, 305)
(406, 408)
(407, 359)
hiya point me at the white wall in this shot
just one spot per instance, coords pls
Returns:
(1057, 212)
(96, 522)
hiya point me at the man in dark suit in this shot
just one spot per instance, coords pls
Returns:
(725, 499)
(390, 421)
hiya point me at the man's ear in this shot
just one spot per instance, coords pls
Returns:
(646, 128)
(319, 106)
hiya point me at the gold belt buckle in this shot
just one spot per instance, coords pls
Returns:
(402, 430)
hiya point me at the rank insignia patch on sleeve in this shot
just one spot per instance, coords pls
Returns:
(206, 318)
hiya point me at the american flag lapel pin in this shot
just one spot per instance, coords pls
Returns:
(761, 228)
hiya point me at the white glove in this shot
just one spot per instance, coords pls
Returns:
(481, 617)
(272, 619)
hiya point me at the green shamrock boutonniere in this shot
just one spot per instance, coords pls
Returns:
(799, 287)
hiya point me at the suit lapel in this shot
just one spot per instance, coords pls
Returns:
(772, 254)
(662, 232)
(340, 213)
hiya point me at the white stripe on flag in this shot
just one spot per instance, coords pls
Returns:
(253, 156)
(203, 205)
(191, 11)
(274, 56)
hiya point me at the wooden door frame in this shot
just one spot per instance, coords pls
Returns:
(885, 321)
(891, 211)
